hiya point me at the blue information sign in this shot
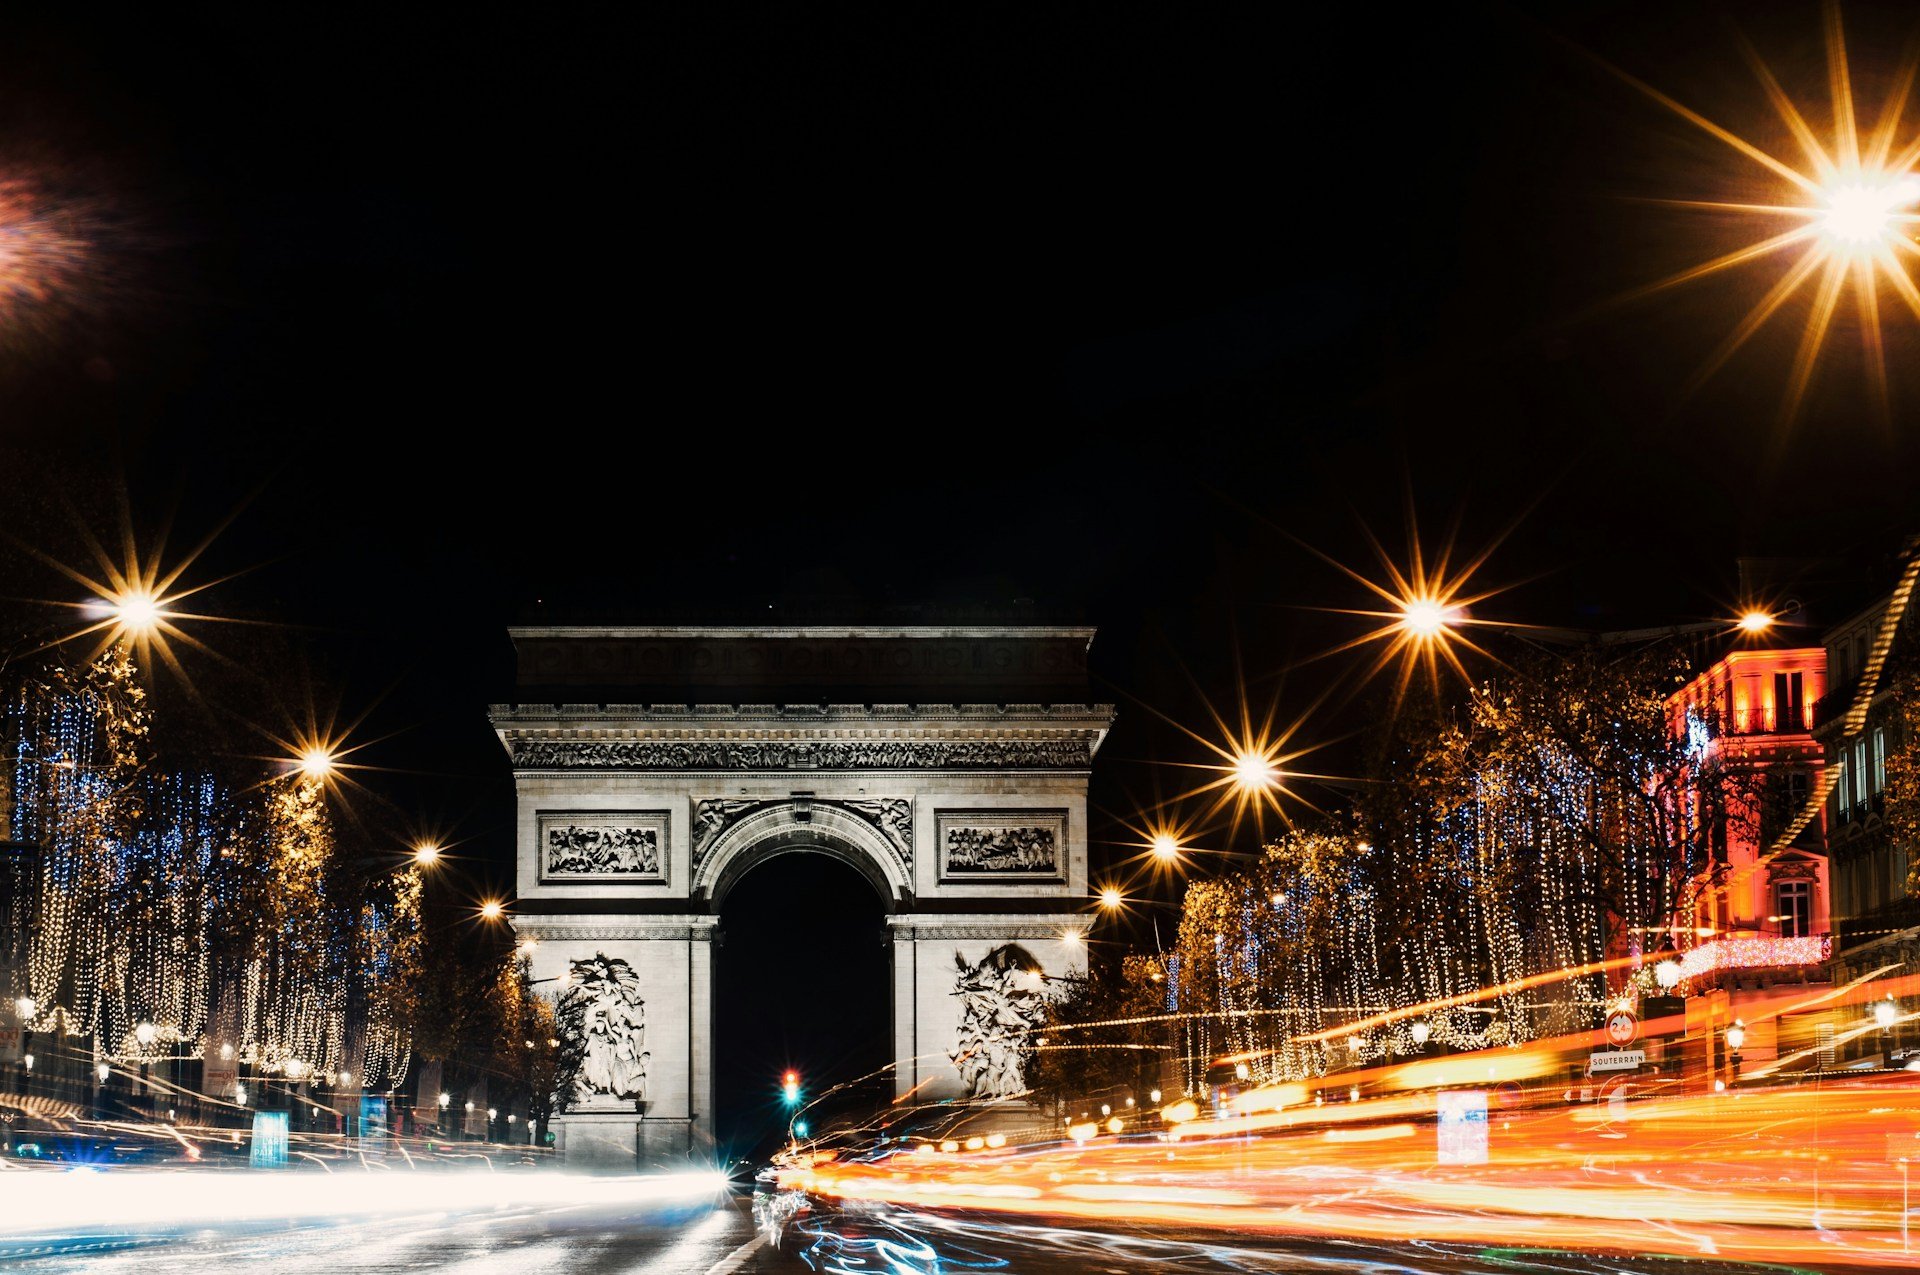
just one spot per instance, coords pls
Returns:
(373, 1125)
(269, 1140)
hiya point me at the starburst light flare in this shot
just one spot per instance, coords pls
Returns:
(1848, 212)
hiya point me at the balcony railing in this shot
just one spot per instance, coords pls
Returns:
(1757, 721)
(1832, 706)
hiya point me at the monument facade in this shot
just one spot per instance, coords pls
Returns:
(655, 767)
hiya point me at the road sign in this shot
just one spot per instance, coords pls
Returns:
(1622, 1027)
(1463, 1126)
(1616, 1060)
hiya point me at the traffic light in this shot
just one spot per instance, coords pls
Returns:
(790, 1087)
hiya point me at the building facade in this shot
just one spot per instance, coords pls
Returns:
(1864, 723)
(655, 768)
(1752, 921)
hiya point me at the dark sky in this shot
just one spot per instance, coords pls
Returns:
(811, 309)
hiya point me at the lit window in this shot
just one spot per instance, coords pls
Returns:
(1879, 760)
(1795, 900)
(1860, 772)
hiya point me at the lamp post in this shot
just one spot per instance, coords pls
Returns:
(1736, 1037)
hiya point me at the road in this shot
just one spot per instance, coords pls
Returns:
(717, 1235)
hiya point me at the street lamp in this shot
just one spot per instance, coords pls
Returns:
(1884, 1013)
(1111, 898)
(1736, 1037)
(24, 1006)
(315, 763)
(144, 1033)
(1755, 621)
(492, 910)
(1422, 1032)
(1166, 848)
(426, 854)
(1424, 617)
(1253, 770)
(137, 612)
(1667, 974)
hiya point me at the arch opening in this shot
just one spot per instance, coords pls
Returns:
(802, 982)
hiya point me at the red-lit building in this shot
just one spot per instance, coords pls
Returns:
(1752, 919)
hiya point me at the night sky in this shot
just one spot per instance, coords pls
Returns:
(810, 312)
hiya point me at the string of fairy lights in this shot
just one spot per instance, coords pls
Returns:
(173, 916)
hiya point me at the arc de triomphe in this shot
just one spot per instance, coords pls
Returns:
(948, 765)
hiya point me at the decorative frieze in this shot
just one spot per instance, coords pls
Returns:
(802, 754)
(625, 847)
(1001, 845)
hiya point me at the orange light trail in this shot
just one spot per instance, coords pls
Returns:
(1729, 1175)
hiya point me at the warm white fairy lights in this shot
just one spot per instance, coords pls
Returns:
(140, 920)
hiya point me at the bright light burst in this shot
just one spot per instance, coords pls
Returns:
(1755, 621)
(1426, 610)
(1851, 202)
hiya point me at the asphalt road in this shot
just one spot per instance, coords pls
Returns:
(720, 1237)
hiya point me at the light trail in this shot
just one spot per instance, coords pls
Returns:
(1729, 1175)
(38, 1200)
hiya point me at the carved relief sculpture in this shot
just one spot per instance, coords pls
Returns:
(617, 847)
(1001, 1001)
(603, 1024)
(893, 816)
(1015, 844)
(710, 819)
(832, 754)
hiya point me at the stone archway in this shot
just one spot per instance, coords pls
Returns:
(873, 837)
(657, 768)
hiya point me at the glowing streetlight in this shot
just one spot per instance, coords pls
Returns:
(1166, 848)
(1667, 974)
(1254, 771)
(1755, 621)
(1241, 1071)
(24, 1006)
(1862, 212)
(315, 763)
(137, 612)
(27, 1061)
(1110, 898)
(1422, 1032)
(426, 854)
(1424, 617)
(1884, 1013)
(240, 1095)
(101, 1071)
(445, 1100)
(1736, 1036)
(145, 1033)
(493, 1113)
(492, 910)
(1071, 938)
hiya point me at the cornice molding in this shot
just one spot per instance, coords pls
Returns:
(681, 716)
(722, 751)
(699, 928)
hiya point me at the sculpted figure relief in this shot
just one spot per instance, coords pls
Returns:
(604, 1021)
(826, 754)
(1001, 1001)
(603, 851)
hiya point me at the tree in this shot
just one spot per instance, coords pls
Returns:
(1105, 1034)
